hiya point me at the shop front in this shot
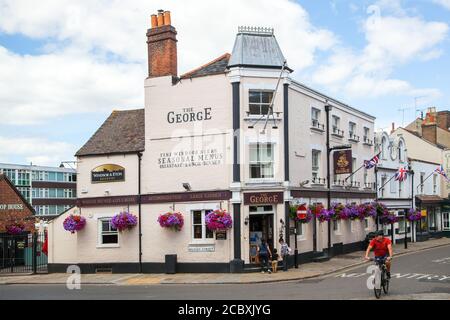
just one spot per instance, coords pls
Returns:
(433, 219)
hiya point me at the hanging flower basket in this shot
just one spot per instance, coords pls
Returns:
(388, 218)
(123, 221)
(413, 215)
(338, 212)
(320, 212)
(218, 220)
(171, 220)
(74, 223)
(15, 228)
(380, 208)
(368, 210)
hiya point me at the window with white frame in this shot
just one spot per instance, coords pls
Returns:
(315, 117)
(366, 223)
(107, 235)
(383, 148)
(401, 149)
(366, 134)
(351, 129)
(337, 226)
(392, 186)
(315, 163)
(301, 230)
(261, 161)
(383, 183)
(336, 123)
(259, 101)
(199, 229)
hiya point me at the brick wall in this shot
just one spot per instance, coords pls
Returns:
(162, 51)
(429, 132)
(443, 120)
(9, 196)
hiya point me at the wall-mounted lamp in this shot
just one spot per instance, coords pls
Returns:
(304, 183)
(187, 186)
(246, 220)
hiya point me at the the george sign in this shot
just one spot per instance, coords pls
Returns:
(189, 115)
(108, 173)
(263, 198)
(14, 206)
(221, 235)
(342, 161)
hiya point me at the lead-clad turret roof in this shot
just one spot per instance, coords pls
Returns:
(256, 47)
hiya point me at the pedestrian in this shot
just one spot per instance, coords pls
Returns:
(285, 250)
(275, 258)
(264, 255)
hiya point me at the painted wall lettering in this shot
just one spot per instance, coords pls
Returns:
(189, 115)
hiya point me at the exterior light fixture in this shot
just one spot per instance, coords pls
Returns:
(187, 186)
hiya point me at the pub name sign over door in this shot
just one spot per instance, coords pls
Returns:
(108, 173)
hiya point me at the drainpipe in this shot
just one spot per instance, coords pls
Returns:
(139, 204)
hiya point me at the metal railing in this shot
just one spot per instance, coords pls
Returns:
(353, 137)
(315, 124)
(337, 132)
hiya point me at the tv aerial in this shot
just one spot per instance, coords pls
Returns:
(270, 113)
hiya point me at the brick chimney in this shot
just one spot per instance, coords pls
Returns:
(429, 126)
(162, 46)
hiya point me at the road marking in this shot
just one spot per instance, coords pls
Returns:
(414, 276)
(442, 261)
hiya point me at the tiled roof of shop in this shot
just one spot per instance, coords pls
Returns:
(122, 132)
(256, 47)
(217, 66)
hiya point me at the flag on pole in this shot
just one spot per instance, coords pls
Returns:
(369, 164)
(401, 174)
(441, 171)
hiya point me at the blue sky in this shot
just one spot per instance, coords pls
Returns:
(64, 66)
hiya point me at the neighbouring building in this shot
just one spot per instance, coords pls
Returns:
(204, 142)
(50, 190)
(425, 157)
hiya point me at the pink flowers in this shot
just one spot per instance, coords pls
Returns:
(218, 220)
(123, 220)
(15, 228)
(171, 220)
(414, 215)
(74, 223)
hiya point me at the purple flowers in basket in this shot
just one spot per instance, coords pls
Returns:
(171, 220)
(123, 220)
(15, 228)
(414, 215)
(74, 223)
(218, 220)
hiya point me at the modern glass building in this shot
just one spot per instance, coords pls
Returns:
(50, 190)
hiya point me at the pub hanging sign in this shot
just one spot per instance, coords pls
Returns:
(108, 173)
(342, 161)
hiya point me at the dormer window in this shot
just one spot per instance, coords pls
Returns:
(259, 102)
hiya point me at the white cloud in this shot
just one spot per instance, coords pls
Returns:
(392, 41)
(444, 3)
(39, 151)
(74, 74)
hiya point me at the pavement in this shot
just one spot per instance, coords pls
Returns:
(305, 271)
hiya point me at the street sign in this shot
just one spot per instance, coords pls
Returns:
(301, 212)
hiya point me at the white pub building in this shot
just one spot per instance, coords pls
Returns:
(207, 140)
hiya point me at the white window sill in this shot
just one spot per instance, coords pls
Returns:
(107, 246)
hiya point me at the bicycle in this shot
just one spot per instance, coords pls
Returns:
(381, 280)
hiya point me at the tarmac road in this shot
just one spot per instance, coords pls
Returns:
(420, 275)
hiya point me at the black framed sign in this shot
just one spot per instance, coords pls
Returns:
(108, 173)
(221, 235)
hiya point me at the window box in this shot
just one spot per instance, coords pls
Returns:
(353, 137)
(317, 126)
(367, 141)
(336, 132)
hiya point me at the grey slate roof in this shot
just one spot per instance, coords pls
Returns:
(256, 47)
(217, 66)
(122, 132)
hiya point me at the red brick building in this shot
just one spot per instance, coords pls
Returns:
(13, 207)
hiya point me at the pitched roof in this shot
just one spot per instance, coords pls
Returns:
(122, 132)
(19, 194)
(256, 47)
(217, 66)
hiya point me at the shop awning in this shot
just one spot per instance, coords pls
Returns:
(432, 200)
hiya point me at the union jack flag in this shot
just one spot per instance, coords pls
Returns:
(401, 174)
(441, 171)
(369, 164)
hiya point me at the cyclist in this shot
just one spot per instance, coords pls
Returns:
(382, 248)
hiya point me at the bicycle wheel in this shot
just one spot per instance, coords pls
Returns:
(385, 282)
(376, 290)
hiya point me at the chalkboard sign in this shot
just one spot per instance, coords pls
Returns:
(221, 235)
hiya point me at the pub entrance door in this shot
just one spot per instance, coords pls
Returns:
(261, 224)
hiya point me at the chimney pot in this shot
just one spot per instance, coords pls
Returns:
(160, 18)
(154, 21)
(167, 19)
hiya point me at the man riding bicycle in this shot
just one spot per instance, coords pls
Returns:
(382, 248)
